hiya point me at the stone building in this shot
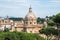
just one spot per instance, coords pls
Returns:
(5, 23)
(29, 24)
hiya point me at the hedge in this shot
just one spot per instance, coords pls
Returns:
(19, 36)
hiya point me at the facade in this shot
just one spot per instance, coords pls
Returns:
(29, 24)
(5, 23)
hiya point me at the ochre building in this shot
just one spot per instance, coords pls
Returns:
(29, 24)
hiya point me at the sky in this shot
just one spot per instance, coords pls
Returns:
(19, 8)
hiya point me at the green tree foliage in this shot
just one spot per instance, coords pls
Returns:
(40, 20)
(50, 17)
(16, 19)
(51, 23)
(57, 18)
(6, 30)
(49, 31)
(19, 36)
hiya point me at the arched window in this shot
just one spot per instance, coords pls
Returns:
(34, 22)
(0, 21)
(26, 22)
(5, 21)
(30, 22)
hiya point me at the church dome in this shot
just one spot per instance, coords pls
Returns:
(30, 14)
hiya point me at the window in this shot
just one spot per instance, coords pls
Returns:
(30, 22)
(34, 22)
(0, 21)
(5, 21)
(26, 22)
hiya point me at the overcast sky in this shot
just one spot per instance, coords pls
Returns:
(19, 8)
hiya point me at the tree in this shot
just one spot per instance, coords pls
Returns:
(49, 32)
(16, 19)
(51, 23)
(19, 36)
(40, 20)
(51, 17)
(47, 17)
(6, 30)
(56, 19)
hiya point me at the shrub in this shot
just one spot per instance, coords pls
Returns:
(19, 36)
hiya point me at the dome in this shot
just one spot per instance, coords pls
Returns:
(30, 14)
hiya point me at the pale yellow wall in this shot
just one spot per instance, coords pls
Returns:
(19, 29)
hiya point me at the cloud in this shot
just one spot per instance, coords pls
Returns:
(39, 6)
(13, 3)
(49, 3)
(55, 1)
(5, 6)
(24, 1)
